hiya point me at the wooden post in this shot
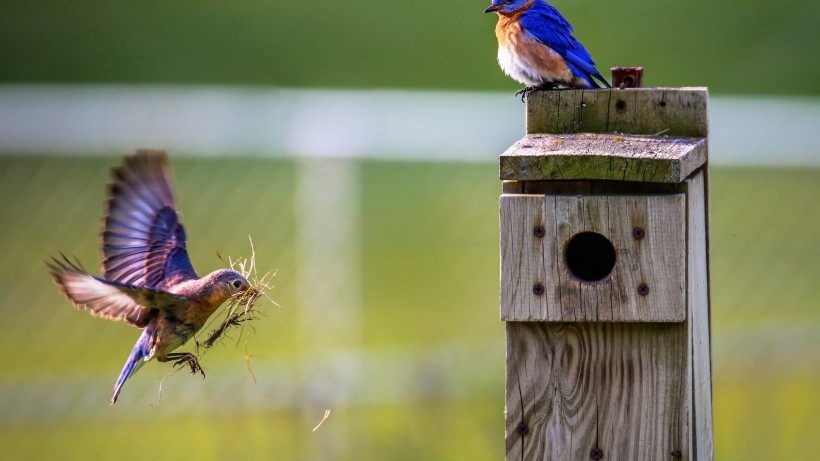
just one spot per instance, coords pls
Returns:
(605, 277)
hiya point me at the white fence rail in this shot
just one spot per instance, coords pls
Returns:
(338, 123)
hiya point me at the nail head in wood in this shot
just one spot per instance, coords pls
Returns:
(643, 289)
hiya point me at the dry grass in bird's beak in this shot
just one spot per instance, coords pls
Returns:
(236, 316)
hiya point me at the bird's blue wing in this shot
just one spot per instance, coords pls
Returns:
(549, 27)
(143, 242)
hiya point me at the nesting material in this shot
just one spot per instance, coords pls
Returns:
(240, 309)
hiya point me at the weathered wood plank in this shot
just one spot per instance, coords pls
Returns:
(656, 260)
(649, 111)
(520, 245)
(699, 318)
(575, 387)
(603, 156)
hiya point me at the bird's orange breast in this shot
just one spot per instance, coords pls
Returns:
(199, 312)
(508, 28)
(523, 57)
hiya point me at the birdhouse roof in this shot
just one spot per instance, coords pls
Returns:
(619, 157)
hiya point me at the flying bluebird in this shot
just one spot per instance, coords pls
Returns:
(536, 47)
(148, 280)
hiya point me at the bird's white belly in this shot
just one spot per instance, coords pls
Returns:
(517, 68)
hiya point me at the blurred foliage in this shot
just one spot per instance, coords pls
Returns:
(430, 280)
(752, 47)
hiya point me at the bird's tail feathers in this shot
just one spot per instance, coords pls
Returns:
(135, 361)
(602, 79)
(594, 79)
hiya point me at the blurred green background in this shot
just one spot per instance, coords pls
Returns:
(432, 382)
(748, 47)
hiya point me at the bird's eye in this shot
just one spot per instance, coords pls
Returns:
(237, 283)
(510, 1)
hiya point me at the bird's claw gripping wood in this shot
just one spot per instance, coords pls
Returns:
(543, 87)
(525, 92)
(186, 358)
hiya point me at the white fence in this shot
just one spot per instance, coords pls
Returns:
(336, 123)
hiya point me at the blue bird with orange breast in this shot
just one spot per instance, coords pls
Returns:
(536, 47)
(148, 280)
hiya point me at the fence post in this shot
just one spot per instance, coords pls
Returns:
(605, 277)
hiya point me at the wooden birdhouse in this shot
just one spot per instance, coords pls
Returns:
(605, 277)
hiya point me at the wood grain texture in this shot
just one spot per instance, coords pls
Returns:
(699, 318)
(522, 258)
(618, 387)
(658, 259)
(648, 111)
(603, 156)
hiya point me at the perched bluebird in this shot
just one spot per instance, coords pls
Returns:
(148, 280)
(536, 47)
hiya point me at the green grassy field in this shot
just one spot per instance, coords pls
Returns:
(429, 272)
(748, 48)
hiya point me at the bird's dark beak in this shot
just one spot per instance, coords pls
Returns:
(493, 8)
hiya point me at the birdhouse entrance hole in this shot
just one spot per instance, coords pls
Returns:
(590, 256)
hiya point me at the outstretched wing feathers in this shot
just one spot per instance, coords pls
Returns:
(106, 299)
(126, 267)
(143, 242)
(147, 175)
(143, 246)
